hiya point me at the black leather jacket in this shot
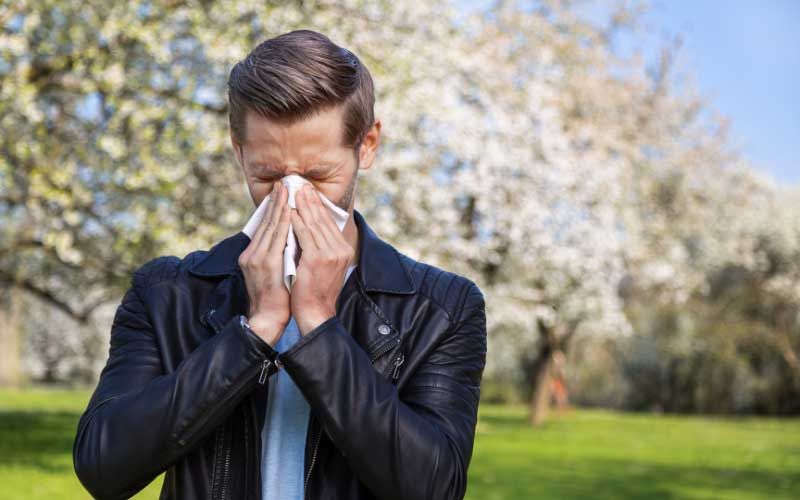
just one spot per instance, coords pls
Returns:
(393, 381)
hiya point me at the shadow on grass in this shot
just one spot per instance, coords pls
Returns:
(37, 439)
(497, 419)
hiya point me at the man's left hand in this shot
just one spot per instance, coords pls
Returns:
(324, 257)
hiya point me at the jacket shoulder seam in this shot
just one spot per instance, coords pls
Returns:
(428, 290)
(156, 271)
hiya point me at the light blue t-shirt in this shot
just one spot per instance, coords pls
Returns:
(283, 437)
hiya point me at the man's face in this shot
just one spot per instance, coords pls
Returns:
(311, 148)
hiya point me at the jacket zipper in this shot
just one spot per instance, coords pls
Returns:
(189, 432)
(257, 449)
(397, 362)
(206, 319)
(245, 415)
(226, 471)
(313, 460)
(262, 377)
(384, 348)
(261, 380)
(218, 446)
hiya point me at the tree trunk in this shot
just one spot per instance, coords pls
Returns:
(10, 338)
(542, 381)
(789, 356)
(552, 339)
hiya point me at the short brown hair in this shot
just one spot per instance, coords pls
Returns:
(293, 76)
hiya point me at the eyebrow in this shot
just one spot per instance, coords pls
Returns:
(264, 168)
(322, 169)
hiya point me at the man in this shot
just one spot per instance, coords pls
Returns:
(385, 368)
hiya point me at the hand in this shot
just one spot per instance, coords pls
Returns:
(323, 261)
(262, 267)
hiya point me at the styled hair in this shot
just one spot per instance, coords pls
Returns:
(295, 75)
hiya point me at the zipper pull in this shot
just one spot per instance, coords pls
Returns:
(397, 363)
(204, 318)
(263, 375)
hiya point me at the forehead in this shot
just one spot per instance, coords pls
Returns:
(317, 135)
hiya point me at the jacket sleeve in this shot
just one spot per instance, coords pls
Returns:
(140, 419)
(415, 443)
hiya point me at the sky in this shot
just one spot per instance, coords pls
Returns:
(745, 58)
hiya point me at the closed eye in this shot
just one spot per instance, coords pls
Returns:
(268, 173)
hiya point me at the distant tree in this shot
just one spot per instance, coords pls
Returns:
(115, 136)
(519, 149)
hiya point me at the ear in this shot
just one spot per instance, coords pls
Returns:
(369, 146)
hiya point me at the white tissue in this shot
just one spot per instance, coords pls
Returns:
(293, 182)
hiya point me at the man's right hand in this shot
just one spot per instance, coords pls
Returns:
(262, 265)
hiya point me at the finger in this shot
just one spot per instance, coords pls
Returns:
(304, 236)
(325, 220)
(315, 222)
(338, 244)
(278, 242)
(258, 235)
(305, 213)
(276, 204)
(310, 196)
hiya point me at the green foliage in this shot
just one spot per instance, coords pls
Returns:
(713, 354)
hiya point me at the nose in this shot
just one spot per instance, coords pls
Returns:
(293, 183)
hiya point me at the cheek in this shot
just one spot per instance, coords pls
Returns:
(260, 188)
(331, 190)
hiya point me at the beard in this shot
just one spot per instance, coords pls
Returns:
(347, 197)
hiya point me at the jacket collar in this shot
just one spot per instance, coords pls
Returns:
(379, 269)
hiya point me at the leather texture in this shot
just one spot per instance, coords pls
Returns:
(393, 381)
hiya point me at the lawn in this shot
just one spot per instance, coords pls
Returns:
(582, 454)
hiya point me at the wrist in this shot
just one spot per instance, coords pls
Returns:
(309, 322)
(272, 362)
(267, 330)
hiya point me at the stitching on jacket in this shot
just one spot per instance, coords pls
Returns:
(427, 289)
(156, 270)
(474, 391)
(471, 289)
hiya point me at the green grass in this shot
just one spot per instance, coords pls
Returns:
(583, 454)
(598, 454)
(37, 428)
